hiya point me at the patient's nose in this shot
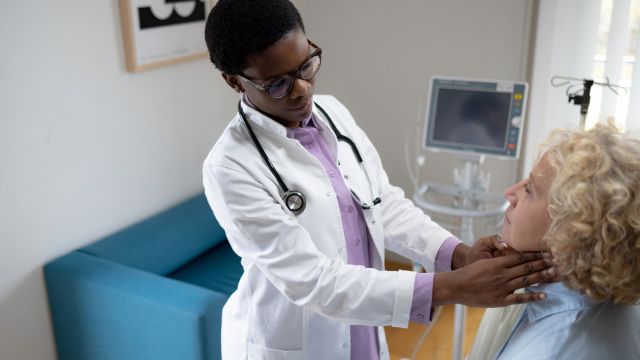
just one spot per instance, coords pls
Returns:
(510, 195)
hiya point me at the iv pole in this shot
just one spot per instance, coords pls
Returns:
(582, 97)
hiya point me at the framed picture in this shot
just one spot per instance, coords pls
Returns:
(163, 32)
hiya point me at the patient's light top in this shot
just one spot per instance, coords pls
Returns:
(569, 326)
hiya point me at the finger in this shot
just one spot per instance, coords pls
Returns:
(520, 258)
(551, 274)
(521, 298)
(528, 268)
(496, 243)
(504, 252)
(497, 246)
(501, 244)
(527, 280)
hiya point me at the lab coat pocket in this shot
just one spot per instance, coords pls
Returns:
(257, 352)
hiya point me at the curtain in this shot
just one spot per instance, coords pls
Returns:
(583, 39)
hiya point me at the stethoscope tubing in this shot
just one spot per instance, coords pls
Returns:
(263, 154)
(295, 200)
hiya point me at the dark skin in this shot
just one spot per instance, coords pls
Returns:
(281, 58)
(485, 274)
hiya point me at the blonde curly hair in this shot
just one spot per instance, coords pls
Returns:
(594, 205)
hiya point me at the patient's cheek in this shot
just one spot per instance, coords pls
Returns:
(529, 239)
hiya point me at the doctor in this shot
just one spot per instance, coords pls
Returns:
(304, 200)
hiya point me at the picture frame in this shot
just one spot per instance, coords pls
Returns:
(158, 33)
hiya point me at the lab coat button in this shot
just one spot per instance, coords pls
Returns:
(332, 174)
(344, 346)
(373, 221)
(346, 177)
(340, 250)
(328, 193)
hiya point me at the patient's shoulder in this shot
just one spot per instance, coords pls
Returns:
(604, 331)
(541, 335)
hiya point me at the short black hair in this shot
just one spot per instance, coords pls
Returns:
(238, 29)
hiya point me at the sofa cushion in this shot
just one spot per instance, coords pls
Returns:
(218, 269)
(101, 310)
(164, 242)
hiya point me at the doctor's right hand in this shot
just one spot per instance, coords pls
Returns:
(492, 282)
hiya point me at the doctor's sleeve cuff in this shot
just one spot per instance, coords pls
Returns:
(403, 299)
(421, 310)
(445, 254)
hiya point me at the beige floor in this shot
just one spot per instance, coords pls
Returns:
(438, 343)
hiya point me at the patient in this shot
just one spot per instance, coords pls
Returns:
(581, 202)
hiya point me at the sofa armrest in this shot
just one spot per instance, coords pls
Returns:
(103, 310)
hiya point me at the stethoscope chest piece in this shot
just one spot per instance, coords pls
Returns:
(295, 201)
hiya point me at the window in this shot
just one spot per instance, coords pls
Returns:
(616, 57)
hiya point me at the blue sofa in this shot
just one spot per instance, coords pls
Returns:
(154, 290)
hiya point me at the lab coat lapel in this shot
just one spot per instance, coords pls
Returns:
(354, 176)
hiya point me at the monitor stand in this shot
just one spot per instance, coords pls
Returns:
(470, 193)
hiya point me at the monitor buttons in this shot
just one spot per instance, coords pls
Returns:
(516, 121)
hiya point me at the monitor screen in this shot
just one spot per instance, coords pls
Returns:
(473, 116)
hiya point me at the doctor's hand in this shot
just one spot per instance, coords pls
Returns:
(491, 282)
(484, 248)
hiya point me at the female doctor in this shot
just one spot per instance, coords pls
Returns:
(304, 200)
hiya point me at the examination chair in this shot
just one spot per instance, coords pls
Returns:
(154, 290)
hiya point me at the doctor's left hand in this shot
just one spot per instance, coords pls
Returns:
(484, 248)
(487, 248)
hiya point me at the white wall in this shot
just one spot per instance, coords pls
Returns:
(565, 45)
(86, 148)
(378, 58)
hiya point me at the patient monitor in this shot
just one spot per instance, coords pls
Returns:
(475, 116)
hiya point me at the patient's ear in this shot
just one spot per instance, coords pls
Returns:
(234, 82)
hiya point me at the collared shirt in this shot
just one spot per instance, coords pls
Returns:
(545, 326)
(364, 340)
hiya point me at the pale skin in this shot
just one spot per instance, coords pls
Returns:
(484, 275)
(526, 222)
(527, 218)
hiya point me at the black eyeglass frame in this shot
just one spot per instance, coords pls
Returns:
(296, 74)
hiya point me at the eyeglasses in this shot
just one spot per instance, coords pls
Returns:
(282, 86)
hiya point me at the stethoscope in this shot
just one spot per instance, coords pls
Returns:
(295, 200)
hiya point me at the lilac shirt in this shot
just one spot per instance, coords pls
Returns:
(364, 339)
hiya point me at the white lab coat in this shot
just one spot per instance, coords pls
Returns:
(298, 296)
